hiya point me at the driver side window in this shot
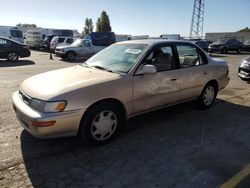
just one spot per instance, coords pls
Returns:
(161, 58)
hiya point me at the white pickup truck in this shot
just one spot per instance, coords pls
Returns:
(79, 48)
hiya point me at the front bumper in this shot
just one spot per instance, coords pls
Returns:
(244, 73)
(60, 53)
(215, 49)
(67, 123)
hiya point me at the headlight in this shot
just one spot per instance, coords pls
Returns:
(58, 106)
(44, 106)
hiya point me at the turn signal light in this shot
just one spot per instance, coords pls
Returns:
(42, 123)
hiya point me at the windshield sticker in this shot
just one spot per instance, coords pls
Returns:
(133, 51)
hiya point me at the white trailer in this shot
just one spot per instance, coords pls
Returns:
(11, 32)
(171, 36)
(34, 38)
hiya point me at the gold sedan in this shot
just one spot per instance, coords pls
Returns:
(95, 99)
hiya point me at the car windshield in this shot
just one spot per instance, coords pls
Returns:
(117, 58)
(77, 43)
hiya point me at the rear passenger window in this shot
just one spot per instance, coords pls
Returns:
(61, 40)
(189, 56)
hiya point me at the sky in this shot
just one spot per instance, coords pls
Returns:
(135, 17)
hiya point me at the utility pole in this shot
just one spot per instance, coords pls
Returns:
(196, 29)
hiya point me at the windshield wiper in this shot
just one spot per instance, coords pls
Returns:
(102, 68)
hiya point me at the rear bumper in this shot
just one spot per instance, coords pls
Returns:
(25, 53)
(66, 123)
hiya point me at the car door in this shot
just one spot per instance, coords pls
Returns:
(85, 49)
(194, 71)
(158, 89)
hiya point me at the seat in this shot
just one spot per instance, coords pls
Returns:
(163, 62)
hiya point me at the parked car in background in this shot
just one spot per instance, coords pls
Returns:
(80, 48)
(12, 50)
(95, 99)
(203, 44)
(13, 33)
(60, 41)
(101, 38)
(224, 46)
(247, 45)
(244, 69)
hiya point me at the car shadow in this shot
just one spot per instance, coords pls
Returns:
(4, 63)
(177, 142)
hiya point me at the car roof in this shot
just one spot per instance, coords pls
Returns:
(151, 42)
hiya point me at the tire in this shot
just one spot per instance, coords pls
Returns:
(101, 124)
(207, 96)
(238, 51)
(224, 51)
(71, 56)
(12, 56)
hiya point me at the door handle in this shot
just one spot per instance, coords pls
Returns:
(173, 79)
(205, 73)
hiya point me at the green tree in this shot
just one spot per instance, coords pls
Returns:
(88, 28)
(98, 25)
(103, 23)
(28, 26)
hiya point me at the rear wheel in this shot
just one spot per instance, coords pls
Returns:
(12, 56)
(224, 51)
(101, 124)
(71, 56)
(207, 96)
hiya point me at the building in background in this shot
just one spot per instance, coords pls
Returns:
(241, 35)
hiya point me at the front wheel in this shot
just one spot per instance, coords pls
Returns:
(101, 124)
(71, 56)
(207, 96)
(12, 56)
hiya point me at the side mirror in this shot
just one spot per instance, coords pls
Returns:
(148, 69)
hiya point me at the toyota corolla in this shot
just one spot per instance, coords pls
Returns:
(95, 99)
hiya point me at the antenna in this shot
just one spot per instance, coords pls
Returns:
(196, 29)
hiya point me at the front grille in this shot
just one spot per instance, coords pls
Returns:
(26, 99)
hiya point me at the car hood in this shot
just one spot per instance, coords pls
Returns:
(49, 85)
(65, 47)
